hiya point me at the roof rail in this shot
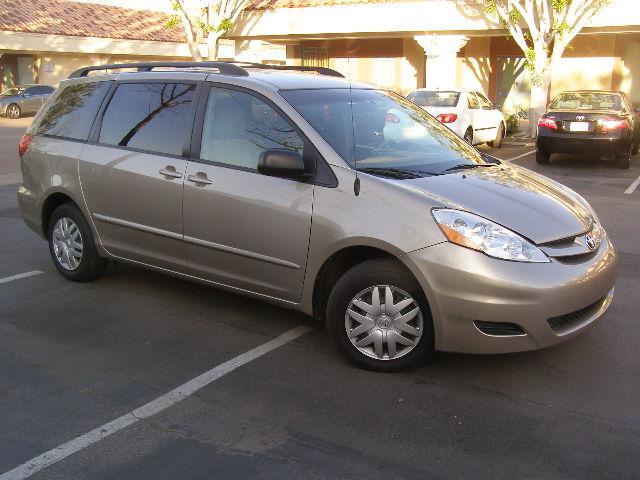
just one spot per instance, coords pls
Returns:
(321, 70)
(224, 67)
(227, 68)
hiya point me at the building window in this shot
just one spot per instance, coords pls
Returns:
(314, 57)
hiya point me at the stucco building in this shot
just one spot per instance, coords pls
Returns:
(398, 44)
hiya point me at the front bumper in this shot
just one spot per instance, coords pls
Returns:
(464, 286)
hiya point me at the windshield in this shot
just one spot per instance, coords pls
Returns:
(387, 131)
(425, 98)
(11, 91)
(587, 101)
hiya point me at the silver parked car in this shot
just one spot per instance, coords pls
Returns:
(18, 101)
(283, 186)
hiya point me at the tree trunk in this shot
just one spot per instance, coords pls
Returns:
(213, 44)
(539, 98)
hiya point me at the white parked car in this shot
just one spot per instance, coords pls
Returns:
(467, 112)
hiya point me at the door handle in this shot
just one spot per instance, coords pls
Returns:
(200, 178)
(170, 171)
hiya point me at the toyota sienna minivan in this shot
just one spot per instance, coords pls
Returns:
(286, 185)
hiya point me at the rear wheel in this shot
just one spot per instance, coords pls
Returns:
(624, 159)
(378, 317)
(497, 143)
(542, 157)
(636, 147)
(468, 136)
(14, 111)
(72, 245)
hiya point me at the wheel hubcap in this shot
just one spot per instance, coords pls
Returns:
(67, 243)
(384, 322)
(13, 112)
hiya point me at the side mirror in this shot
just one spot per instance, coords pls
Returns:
(282, 163)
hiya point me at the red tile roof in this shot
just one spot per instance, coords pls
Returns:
(60, 17)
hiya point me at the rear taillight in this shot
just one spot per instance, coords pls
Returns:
(547, 122)
(447, 117)
(612, 124)
(23, 146)
(391, 118)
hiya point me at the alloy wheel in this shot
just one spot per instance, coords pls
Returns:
(384, 322)
(13, 111)
(67, 243)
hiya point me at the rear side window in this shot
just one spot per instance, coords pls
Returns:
(473, 101)
(149, 116)
(73, 111)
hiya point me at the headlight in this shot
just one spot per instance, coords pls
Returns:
(472, 231)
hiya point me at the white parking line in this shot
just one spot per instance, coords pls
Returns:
(19, 276)
(520, 156)
(633, 186)
(152, 408)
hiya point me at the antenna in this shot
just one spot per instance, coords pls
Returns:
(356, 182)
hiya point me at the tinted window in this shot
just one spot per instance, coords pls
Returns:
(73, 111)
(149, 116)
(32, 91)
(42, 90)
(473, 101)
(238, 127)
(587, 101)
(434, 98)
(379, 129)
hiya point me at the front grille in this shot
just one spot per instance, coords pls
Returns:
(500, 329)
(561, 321)
(562, 242)
(576, 259)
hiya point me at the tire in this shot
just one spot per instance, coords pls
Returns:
(14, 111)
(358, 287)
(636, 147)
(497, 143)
(468, 136)
(68, 229)
(542, 158)
(624, 159)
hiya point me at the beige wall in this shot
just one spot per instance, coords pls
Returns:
(474, 65)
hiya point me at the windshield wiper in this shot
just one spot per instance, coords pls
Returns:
(468, 166)
(399, 173)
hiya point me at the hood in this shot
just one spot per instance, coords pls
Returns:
(521, 200)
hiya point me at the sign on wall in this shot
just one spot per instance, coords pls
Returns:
(48, 67)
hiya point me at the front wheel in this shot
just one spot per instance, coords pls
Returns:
(14, 111)
(497, 143)
(377, 315)
(72, 246)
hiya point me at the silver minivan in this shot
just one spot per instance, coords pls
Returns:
(335, 198)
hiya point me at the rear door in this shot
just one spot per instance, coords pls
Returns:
(31, 100)
(244, 229)
(486, 119)
(133, 173)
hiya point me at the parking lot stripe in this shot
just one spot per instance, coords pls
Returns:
(633, 186)
(520, 156)
(19, 276)
(154, 407)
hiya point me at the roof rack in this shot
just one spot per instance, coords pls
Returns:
(227, 68)
(224, 67)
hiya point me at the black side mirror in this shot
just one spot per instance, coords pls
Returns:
(282, 163)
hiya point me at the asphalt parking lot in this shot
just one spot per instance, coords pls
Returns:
(74, 358)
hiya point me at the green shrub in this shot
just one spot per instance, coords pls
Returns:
(512, 124)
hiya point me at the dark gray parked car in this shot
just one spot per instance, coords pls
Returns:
(17, 101)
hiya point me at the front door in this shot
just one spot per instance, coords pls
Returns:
(133, 178)
(244, 229)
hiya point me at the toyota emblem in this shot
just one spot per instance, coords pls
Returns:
(590, 241)
(580, 117)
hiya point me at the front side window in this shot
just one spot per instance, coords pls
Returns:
(149, 116)
(435, 98)
(10, 92)
(373, 129)
(238, 127)
(73, 111)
